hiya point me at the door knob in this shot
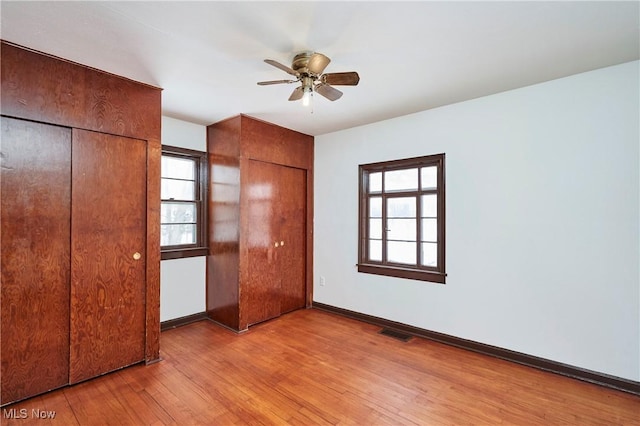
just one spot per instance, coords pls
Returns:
(281, 243)
(136, 256)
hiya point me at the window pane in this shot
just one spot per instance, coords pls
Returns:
(375, 228)
(430, 230)
(429, 177)
(375, 250)
(429, 254)
(375, 182)
(183, 207)
(401, 207)
(401, 180)
(401, 252)
(177, 189)
(178, 168)
(173, 235)
(178, 213)
(401, 229)
(429, 205)
(375, 207)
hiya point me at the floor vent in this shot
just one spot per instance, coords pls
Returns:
(396, 334)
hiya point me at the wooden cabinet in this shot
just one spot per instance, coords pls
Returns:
(108, 230)
(260, 221)
(80, 223)
(274, 240)
(35, 189)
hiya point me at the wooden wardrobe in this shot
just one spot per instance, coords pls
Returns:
(260, 221)
(80, 198)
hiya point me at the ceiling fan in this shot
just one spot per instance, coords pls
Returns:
(307, 68)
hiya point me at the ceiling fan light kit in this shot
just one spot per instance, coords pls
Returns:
(307, 96)
(308, 68)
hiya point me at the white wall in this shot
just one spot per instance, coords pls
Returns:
(182, 281)
(542, 191)
(184, 134)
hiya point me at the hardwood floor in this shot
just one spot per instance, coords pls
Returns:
(314, 367)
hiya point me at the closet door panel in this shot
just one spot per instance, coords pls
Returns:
(35, 161)
(108, 237)
(292, 255)
(260, 203)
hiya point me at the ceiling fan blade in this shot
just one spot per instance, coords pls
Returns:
(341, 78)
(317, 63)
(266, 83)
(282, 67)
(328, 92)
(296, 94)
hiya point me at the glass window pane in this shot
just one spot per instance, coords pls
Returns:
(401, 207)
(177, 189)
(401, 252)
(375, 228)
(375, 182)
(173, 235)
(177, 213)
(401, 229)
(375, 250)
(429, 177)
(397, 180)
(429, 205)
(429, 254)
(375, 207)
(178, 168)
(430, 230)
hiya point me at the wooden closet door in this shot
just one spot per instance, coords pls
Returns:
(108, 235)
(292, 255)
(35, 163)
(276, 226)
(260, 201)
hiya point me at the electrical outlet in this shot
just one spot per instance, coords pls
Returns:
(322, 280)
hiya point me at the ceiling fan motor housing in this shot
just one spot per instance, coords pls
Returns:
(300, 62)
(308, 68)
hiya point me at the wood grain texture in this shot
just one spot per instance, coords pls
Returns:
(224, 237)
(223, 138)
(275, 144)
(108, 225)
(261, 297)
(34, 204)
(40, 87)
(590, 376)
(292, 225)
(239, 291)
(315, 368)
(309, 234)
(43, 88)
(273, 201)
(152, 260)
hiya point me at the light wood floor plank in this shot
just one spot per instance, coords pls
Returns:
(311, 367)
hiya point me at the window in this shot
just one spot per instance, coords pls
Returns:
(183, 206)
(401, 225)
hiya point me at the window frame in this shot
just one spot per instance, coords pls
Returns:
(200, 248)
(435, 274)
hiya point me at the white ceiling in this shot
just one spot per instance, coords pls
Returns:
(411, 56)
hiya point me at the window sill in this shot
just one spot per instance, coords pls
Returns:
(412, 274)
(183, 253)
